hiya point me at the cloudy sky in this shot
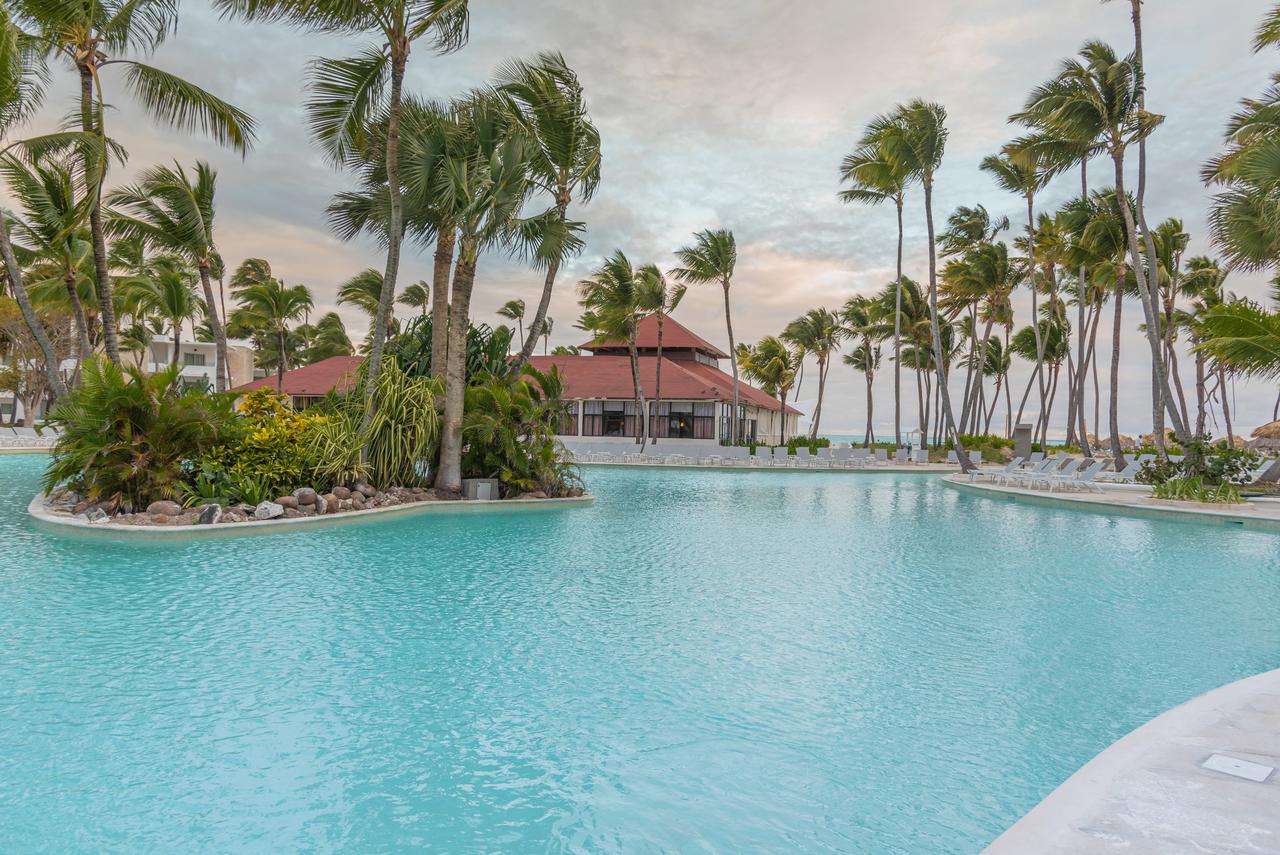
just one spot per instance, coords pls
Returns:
(728, 113)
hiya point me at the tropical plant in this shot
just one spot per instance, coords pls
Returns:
(328, 338)
(364, 292)
(168, 292)
(773, 365)
(270, 306)
(488, 349)
(655, 296)
(818, 332)
(128, 437)
(416, 296)
(711, 258)
(513, 310)
(612, 309)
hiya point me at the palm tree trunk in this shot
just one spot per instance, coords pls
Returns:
(642, 417)
(733, 363)
(83, 347)
(822, 386)
(395, 226)
(946, 420)
(280, 359)
(445, 238)
(923, 416)
(1200, 414)
(464, 274)
(18, 285)
(870, 404)
(657, 380)
(548, 283)
(96, 177)
(1117, 452)
(1226, 407)
(219, 332)
(897, 336)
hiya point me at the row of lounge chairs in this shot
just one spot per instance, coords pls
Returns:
(1063, 472)
(838, 457)
(25, 437)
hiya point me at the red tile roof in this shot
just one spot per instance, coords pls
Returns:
(675, 336)
(335, 374)
(609, 376)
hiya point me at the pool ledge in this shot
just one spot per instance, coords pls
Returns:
(1149, 793)
(66, 524)
(1124, 499)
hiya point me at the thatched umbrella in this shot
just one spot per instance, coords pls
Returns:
(1267, 437)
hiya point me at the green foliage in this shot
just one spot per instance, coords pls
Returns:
(487, 349)
(1212, 464)
(812, 444)
(509, 431)
(1190, 488)
(131, 436)
(271, 450)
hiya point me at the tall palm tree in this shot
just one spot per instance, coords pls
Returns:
(660, 298)
(513, 310)
(92, 38)
(819, 332)
(172, 212)
(271, 305)
(547, 103)
(328, 338)
(52, 230)
(548, 324)
(416, 296)
(711, 258)
(364, 292)
(874, 178)
(860, 316)
(1203, 284)
(169, 293)
(774, 366)
(612, 309)
(347, 95)
(985, 276)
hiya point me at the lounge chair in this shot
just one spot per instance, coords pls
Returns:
(1085, 479)
(900, 455)
(1009, 468)
(975, 457)
(802, 456)
(859, 456)
(823, 460)
(1036, 457)
(763, 456)
(1025, 474)
(1124, 475)
(952, 458)
(920, 455)
(1055, 477)
(841, 457)
(881, 455)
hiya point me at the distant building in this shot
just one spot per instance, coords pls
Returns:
(696, 394)
(309, 384)
(198, 360)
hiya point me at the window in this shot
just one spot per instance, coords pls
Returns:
(673, 419)
(593, 418)
(193, 359)
(6, 408)
(614, 419)
(568, 422)
(704, 420)
(699, 356)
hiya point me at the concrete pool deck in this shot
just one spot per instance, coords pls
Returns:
(1152, 793)
(1129, 500)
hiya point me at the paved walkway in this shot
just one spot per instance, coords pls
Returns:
(1130, 500)
(1202, 778)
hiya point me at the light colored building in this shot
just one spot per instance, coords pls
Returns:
(198, 360)
(696, 394)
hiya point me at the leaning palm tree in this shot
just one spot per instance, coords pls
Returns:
(548, 324)
(168, 293)
(657, 297)
(328, 338)
(547, 104)
(711, 258)
(271, 305)
(347, 95)
(874, 178)
(94, 37)
(172, 212)
(416, 296)
(364, 292)
(774, 366)
(513, 310)
(865, 358)
(612, 309)
(819, 332)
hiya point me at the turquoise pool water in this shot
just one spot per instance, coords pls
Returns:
(701, 662)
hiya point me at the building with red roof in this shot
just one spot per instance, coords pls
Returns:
(310, 383)
(696, 394)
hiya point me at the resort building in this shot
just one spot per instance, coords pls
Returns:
(696, 394)
(199, 359)
(309, 384)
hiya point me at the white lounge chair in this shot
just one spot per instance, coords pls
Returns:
(763, 456)
(881, 455)
(900, 455)
(1124, 475)
(1055, 477)
(859, 456)
(1025, 474)
(1085, 479)
(920, 455)
(823, 458)
(1009, 468)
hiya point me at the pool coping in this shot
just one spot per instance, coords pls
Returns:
(66, 524)
(1263, 515)
(1149, 793)
(898, 469)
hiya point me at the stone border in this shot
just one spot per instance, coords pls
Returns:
(67, 524)
(1149, 793)
(894, 469)
(1256, 515)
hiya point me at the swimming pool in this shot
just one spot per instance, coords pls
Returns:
(702, 661)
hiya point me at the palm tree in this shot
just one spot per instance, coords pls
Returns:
(1203, 284)
(169, 293)
(860, 318)
(94, 37)
(611, 302)
(271, 305)
(347, 95)
(774, 367)
(548, 324)
(984, 276)
(52, 230)
(547, 104)
(328, 338)
(711, 258)
(364, 292)
(173, 213)
(875, 178)
(817, 331)
(416, 296)
(659, 298)
(513, 310)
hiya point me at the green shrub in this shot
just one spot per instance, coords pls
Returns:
(272, 449)
(1193, 489)
(133, 437)
(1213, 464)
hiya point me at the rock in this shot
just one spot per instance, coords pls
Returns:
(357, 501)
(94, 516)
(417, 491)
(233, 515)
(292, 513)
(538, 494)
(342, 492)
(287, 502)
(307, 510)
(210, 514)
(268, 511)
(160, 519)
(327, 504)
(108, 506)
(305, 496)
(344, 504)
(575, 492)
(165, 507)
(187, 518)
(64, 498)
(81, 506)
